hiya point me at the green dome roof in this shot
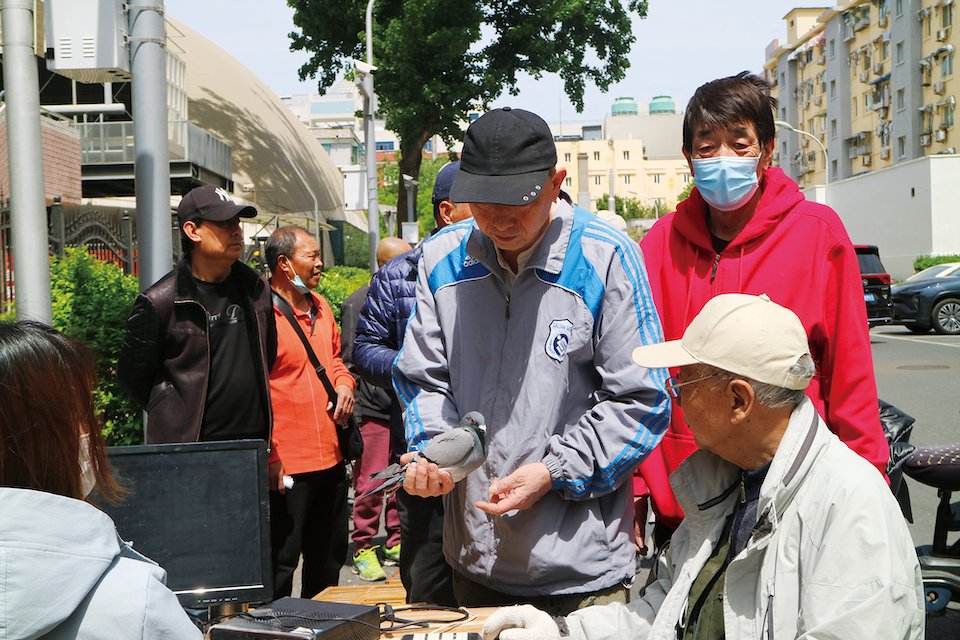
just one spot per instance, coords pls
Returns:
(624, 107)
(663, 104)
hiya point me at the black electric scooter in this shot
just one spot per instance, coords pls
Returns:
(939, 467)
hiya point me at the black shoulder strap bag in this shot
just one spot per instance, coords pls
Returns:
(348, 434)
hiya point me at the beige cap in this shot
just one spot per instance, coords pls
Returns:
(750, 336)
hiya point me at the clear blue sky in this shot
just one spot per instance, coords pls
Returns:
(679, 46)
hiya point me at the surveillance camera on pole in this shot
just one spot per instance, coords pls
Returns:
(364, 68)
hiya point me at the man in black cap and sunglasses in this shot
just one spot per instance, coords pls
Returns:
(529, 316)
(201, 341)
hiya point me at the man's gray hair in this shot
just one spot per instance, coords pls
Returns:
(772, 396)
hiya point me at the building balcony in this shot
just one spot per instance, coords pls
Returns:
(107, 155)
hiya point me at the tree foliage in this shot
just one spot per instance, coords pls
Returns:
(337, 283)
(628, 208)
(390, 190)
(438, 60)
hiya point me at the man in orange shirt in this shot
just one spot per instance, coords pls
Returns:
(311, 516)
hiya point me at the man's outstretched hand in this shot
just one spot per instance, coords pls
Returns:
(519, 490)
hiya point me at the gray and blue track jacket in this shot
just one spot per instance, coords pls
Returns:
(548, 363)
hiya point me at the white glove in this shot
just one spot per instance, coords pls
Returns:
(523, 622)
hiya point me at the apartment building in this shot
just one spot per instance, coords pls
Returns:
(637, 148)
(872, 80)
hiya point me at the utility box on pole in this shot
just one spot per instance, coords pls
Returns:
(87, 40)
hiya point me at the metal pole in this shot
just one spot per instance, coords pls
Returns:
(611, 198)
(148, 68)
(370, 143)
(28, 214)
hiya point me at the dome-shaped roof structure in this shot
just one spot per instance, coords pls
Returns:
(663, 104)
(624, 107)
(230, 102)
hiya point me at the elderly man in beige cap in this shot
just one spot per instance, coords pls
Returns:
(788, 533)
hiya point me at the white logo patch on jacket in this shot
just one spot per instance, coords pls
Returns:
(559, 339)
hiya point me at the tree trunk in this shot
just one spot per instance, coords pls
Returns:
(411, 154)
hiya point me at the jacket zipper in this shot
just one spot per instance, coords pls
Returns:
(713, 271)
(206, 378)
(768, 619)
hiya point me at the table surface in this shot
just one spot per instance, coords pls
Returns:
(392, 592)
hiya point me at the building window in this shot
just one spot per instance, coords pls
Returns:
(384, 146)
(833, 169)
(946, 66)
(899, 7)
(656, 178)
(626, 179)
(901, 99)
(833, 129)
(946, 15)
(568, 182)
(899, 53)
(596, 180)
(833, 89)
(946, 120)
(566, 157)
(626, 155)
(596, 155)
(853, 107)
(885, 50)
(686, 178)
(902, 147)
(833, 48)
(783, 79)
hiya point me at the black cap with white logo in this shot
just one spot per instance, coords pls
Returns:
(211, 203)
(507, 154)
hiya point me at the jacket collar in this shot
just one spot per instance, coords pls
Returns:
(705, 481)
(187, 285)
(550, 252)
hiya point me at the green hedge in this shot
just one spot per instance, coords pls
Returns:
(922, 262)
(337, 283)
(91, 301)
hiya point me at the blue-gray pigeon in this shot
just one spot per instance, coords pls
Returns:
(457, 451)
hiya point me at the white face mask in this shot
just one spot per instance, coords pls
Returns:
(88, 480)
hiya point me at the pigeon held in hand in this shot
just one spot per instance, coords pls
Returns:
(457, 451)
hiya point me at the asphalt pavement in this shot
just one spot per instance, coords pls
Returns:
(920, 375)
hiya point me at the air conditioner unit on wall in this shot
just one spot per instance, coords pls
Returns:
(925, 140)
(942, 34)
(864, 76)
(865, 161)
(938, 88)
(878, 68)
(884, 153)
(882, 21)
(940, 135)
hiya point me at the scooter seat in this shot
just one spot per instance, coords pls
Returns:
(937, 466)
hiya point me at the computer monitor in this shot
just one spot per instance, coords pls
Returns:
(201, 511)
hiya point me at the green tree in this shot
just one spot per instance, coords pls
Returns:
(438, 60)
(683, 195)
(337, 283)
(628, 208)
(389, 190)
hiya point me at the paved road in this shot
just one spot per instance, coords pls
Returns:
(920, 375)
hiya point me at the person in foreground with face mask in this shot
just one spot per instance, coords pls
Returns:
(311, 516)
(788, 533)
(746, 228)
(64, 572)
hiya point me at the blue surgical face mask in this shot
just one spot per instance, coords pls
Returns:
(297, 282)
(726, 182)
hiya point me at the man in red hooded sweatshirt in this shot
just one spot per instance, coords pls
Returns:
(746, 228)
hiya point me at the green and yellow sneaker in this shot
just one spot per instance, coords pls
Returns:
(367, 565)
(391, 555)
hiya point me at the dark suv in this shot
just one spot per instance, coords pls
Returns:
(876, 285)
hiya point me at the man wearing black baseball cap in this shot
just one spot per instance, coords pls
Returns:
(530, 316)
(201, 341)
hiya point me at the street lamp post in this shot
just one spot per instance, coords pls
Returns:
(365, 82)
(826, 158)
